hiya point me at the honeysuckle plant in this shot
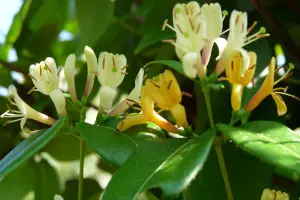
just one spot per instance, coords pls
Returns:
(147, 131)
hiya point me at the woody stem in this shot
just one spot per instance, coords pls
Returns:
(217, 145)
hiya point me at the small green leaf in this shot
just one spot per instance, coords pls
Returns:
(272, 142)
(28, 147)
(94, 18)
(110, 144)
(170, 164)
(151, 37)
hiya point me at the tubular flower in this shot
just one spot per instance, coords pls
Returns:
(25, 111)
(272, 194)
(70, 76)
(214, 20)
(133, 97)
(44, 76)
(267, 89)
(237, 39)
(190, 29)
(91, 60)
(112, 70)
(238, 79)
(148, 114)
(165, 92)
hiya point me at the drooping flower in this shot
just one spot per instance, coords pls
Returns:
(91, 60)
(44, 76)
(238, 79)
(267, 89)
(112, 70)
(190, 29)
(133, 96)
(238, 38)
(25, 111)
(70, 76)
(272, 194)
(148, 114)
(166, 93)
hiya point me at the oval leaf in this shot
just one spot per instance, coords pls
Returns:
(160, 163)
(110, 144)
(272, 142)
(28, 147)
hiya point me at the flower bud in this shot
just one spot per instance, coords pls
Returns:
(91, 60)
(70, 76)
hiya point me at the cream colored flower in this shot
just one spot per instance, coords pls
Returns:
(91, 60)
(70, 76)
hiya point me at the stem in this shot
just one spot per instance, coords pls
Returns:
(217, 145)
(80, 185)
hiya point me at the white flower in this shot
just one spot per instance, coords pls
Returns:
(25, 111)
(132, 98)
(111, 72)
(190, 28)
(91, 60)
(44, 76)
(272, 194)
(69, 71)
(237, 39)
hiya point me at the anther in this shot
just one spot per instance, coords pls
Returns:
(103, 63)
(32, 77)
(251, 27)
(169, 85)
(164, 25)
(192, 25)
(114, 62)
(155, 84)
(187, 94)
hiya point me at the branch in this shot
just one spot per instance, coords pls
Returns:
(13, 67)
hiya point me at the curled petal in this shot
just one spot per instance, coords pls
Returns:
(107, 95)
(236, 96)
(70, 76)
(59, 101)
(131, 120)
(221, 43)
(281, 107)
(178, 112)
(206, 52)
(190, 63)
(91, 60)
(248, 76)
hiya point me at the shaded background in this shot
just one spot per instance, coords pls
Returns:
(32, 30)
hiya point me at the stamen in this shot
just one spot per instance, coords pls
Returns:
(225, 13)
(97, 73)
(225, 31)
(103, 63)
(124, 67)
(187, 94)
(279, 68)
(11, 121)
(289, 95)
(124, 73)
(41, 70)
(114, 62)
(237, 19)
(198, 14)
(256, 38)
(180, 30)
(251, 27)
(155, 84)
(133, 101)
(46, 67)
(59, 70)
(280, 89)
(11, 101)
(161, 110)
(169, 85)
(186, 10)
(192, 25)
(252, 67)
(32, 77)
(285, 75)
(31, 90)
(167, 25)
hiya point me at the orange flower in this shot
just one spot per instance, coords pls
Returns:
(239, 76)
(267, 89)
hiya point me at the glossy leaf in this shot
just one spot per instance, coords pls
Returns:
(170, 164)
(110, 144)
(28, 148)
(272, 142)
(94, 18)
(151, 37)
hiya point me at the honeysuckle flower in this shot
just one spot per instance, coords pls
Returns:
(133, 96)
(267, 89)
(148, 114)
(190, 29)
(166, 93)
(91, 60)
(44, 76)
(70, 76)
(272, 194)
(25, 111)
(238, 79)
(214, 21)
(111, 72)
(238, 38)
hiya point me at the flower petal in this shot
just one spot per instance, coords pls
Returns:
(281, 106)
(190, 63)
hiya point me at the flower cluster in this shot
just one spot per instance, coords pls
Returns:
(198, 28)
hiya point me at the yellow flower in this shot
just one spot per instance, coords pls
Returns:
(272, 194)
(165, 92)
(148, 115)
(238, 79)
(267, 89)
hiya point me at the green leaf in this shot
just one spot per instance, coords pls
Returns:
(47, 181)
(160, 163)
(272, 142)
(151, 37)
(28, 147)
(19, 183)
(110, 144)
(94, 18)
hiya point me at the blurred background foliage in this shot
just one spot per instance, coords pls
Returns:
(57, 28)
